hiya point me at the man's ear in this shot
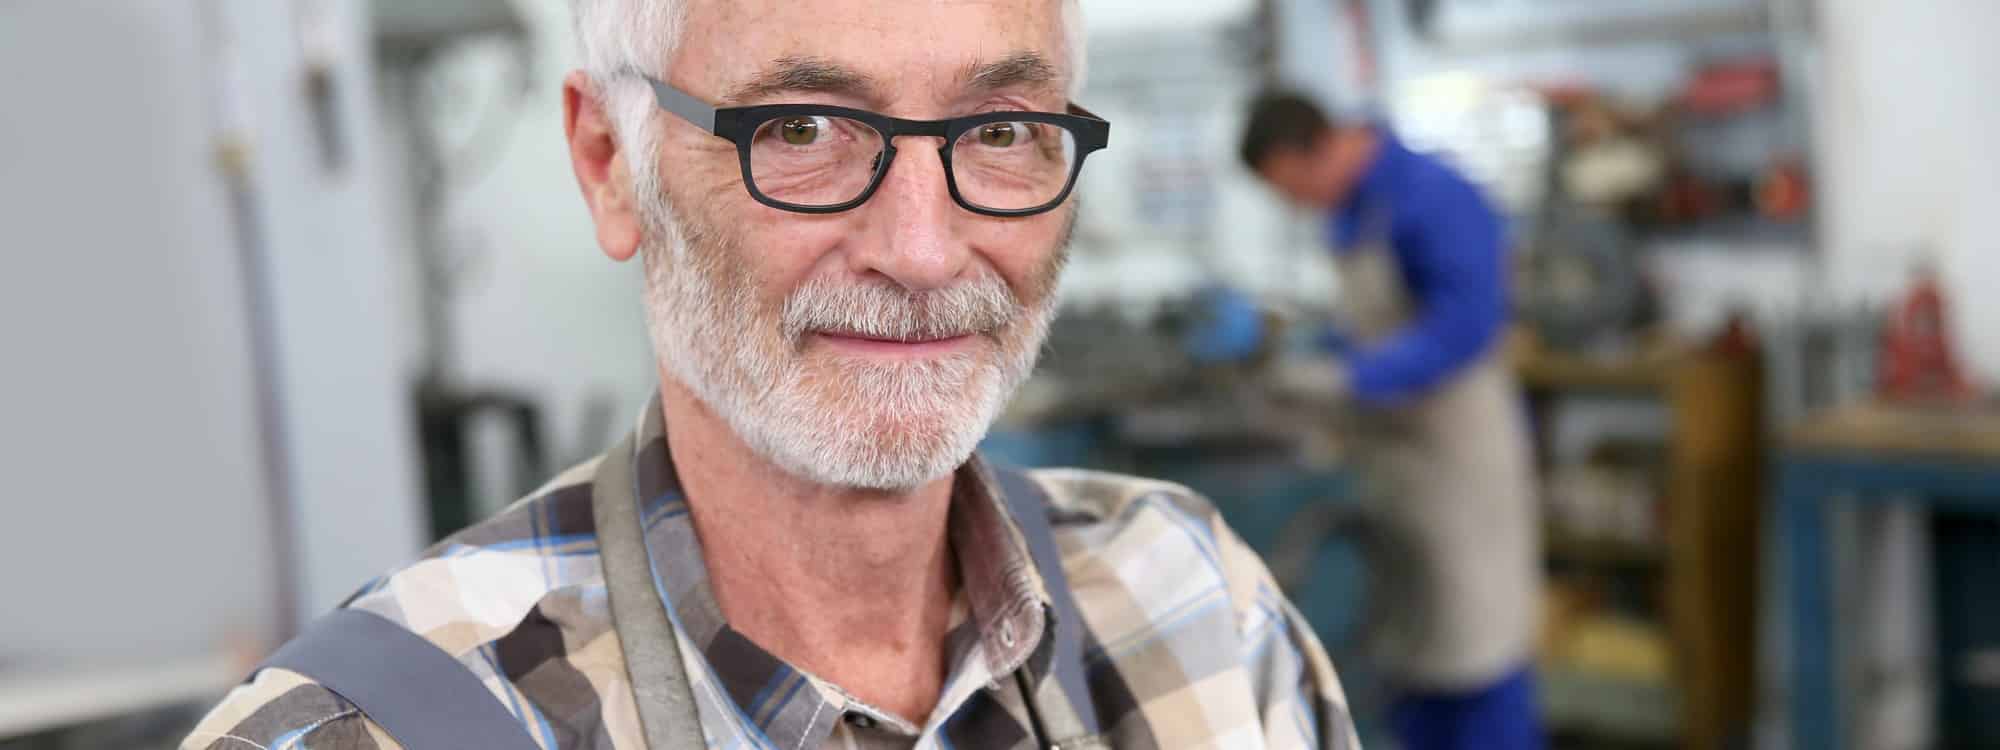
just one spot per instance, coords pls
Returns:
(601, 170)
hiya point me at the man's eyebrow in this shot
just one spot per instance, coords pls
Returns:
(805, 75)
(1017, 69)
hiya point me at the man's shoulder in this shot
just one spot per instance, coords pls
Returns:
(491, 579)
(1143, 527)
(1434, 184)
(563, 501)
(282, 709)
(1156, 568)
(504, 596)
(1090, 496)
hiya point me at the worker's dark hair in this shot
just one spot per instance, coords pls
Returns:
(1281, 120)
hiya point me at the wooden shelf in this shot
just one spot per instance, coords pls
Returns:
(1564, 547)
(1643, 372)
(1611, 708)
(1714, 500)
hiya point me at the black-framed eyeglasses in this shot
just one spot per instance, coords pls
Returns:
(822, 159)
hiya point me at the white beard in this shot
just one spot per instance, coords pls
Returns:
(821, 417)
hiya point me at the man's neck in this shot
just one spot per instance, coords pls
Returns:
(854, 586)
(1356, 149)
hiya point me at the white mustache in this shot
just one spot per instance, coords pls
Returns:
(882, 310)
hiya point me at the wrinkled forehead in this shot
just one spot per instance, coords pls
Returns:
(904, 56)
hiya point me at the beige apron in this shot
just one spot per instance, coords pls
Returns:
(1448, 479)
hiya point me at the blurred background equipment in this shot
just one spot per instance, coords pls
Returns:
(415, 45)
(423, 28)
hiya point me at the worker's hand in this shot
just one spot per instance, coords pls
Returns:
(1318, 380)
(1228, 327)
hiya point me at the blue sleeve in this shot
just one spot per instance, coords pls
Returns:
(1448, 244)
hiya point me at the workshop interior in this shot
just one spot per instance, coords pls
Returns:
(296, 288)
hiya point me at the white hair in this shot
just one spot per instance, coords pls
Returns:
(618, 37)
(615, 38)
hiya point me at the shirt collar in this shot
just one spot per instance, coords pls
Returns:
(1006, 599)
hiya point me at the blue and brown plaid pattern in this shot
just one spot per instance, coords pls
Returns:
(1188, 642)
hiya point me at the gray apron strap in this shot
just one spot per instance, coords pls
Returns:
(415, 691)
(667, 711)
(1030, 508)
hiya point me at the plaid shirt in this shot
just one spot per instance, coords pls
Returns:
(1188, 642)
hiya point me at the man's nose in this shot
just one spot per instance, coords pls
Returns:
(914, 232)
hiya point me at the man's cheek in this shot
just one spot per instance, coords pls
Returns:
(789, 253)
(1030, 258)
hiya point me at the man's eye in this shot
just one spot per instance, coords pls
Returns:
(799, 131)
(999, 134)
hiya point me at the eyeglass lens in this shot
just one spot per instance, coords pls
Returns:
(817, 161)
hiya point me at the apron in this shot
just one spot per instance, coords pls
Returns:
(1448, 481)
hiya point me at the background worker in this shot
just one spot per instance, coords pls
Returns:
(1435, 429)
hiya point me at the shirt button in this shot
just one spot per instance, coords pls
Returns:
(860, 721)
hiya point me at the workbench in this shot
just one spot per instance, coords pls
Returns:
(1943, 457)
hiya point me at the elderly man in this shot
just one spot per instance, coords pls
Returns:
(852, 215)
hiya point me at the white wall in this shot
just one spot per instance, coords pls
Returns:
(135, 523)
(1118, 16)
(1317, 52)
(140, 524)
(348, 429)
(1909, 167)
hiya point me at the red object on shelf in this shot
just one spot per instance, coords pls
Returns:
(1917, 360)
(1738, 337)
(1782, 192)
(1563, 92)
(1731, 88)
(1687, 200)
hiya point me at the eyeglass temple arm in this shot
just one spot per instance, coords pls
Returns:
(683, 104)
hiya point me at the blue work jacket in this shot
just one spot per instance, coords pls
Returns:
(1447, 243)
